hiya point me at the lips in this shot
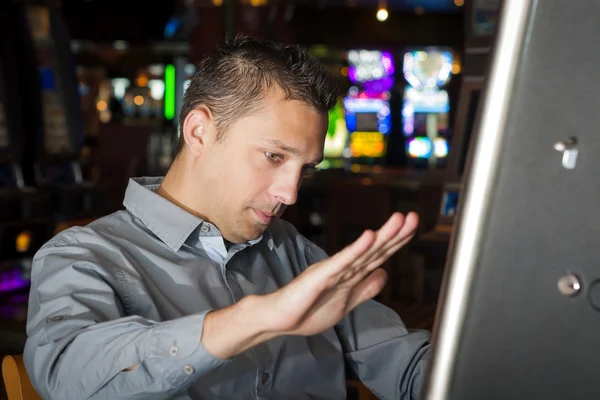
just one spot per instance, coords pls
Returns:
(264, 217)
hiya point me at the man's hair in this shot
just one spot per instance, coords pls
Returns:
(233, 81)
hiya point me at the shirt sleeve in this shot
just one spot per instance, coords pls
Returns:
(378, 348)
(80, 341)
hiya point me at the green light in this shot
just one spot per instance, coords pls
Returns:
(170, 92)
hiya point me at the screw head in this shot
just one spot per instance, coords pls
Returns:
(569, 285)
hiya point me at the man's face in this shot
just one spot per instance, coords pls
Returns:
(256, 169)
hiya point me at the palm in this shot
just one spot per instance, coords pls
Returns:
(327, 291)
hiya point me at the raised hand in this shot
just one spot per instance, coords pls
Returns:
(327, 291)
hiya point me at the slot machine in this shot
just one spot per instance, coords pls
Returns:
(26, 213)
(367, 106)
(56, 112)
(426, 106)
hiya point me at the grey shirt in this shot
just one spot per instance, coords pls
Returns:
(134, 287)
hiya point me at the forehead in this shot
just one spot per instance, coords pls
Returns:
(291, 121)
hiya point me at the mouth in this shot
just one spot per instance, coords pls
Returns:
(264, 218)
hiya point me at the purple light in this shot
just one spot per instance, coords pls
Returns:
(352, 74)
(378, 86)
(12, 280)
(388, 63)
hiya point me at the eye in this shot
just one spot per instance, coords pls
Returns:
(276, 158)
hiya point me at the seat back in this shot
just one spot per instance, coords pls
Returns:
(17, 383)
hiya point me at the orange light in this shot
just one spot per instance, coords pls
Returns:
(459, 3)
(344, 71)
(142, 80)
(138, 100)
(101, 105)
(23, 241)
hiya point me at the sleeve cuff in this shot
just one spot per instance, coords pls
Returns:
(179, 341)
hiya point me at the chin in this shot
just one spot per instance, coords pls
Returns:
(256, 233)
(252, 233)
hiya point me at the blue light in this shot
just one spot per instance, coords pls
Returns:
(420, 147)
(172, 27)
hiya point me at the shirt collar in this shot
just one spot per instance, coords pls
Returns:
(171, 223)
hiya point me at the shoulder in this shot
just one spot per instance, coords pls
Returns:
(96, 244)
(95, 231)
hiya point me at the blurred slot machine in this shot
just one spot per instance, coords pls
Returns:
(426, 106)
(57, 137)
(26, 212)
(367, 106)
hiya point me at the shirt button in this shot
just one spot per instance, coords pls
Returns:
(188, 370)
(204, 228)
(173, 351)
(264, 378)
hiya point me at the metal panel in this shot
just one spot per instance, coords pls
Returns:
(519, 317)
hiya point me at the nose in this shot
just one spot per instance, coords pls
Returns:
(285, 189)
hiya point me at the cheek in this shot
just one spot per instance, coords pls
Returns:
(248, 180)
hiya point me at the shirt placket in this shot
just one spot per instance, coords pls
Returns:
(262, 355)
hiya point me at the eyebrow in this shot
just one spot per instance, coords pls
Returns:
(289, 149)
(284, 147)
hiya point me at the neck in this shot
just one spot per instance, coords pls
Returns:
(178, 187)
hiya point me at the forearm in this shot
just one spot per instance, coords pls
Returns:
(90, 362)
(235, 329)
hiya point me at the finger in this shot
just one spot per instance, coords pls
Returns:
(384, 257)
(367, 289)
(333, 266)
(356, 274)
(387, 232)
(405, 234)
(378, 255)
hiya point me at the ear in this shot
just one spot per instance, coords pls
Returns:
(198, 130)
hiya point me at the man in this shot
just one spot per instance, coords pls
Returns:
(198, 290)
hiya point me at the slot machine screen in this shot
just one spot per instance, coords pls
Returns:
(56, 133)
(468, 130)
(449, 203)
(366, 122)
